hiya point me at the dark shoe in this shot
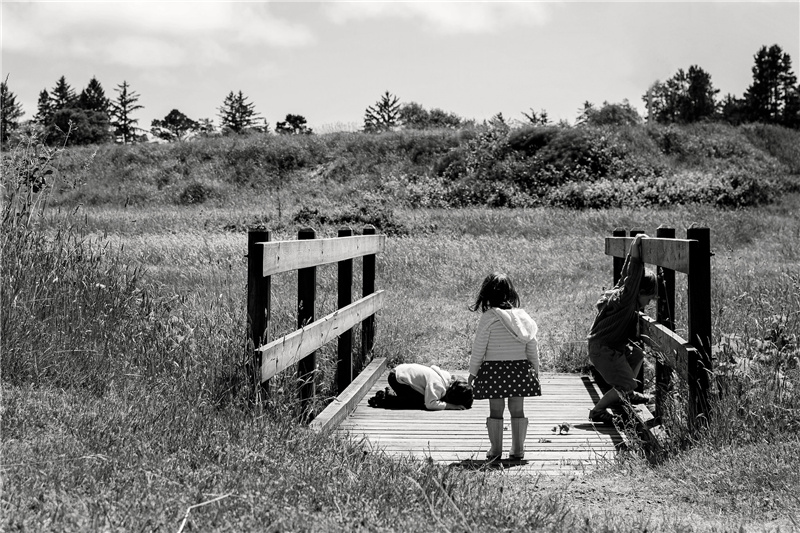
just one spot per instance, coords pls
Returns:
(601, 417)
(637, 398)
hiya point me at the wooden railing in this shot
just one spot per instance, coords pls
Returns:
(689, 359)
(298, 349)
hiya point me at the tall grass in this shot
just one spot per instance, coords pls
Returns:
(126, 393)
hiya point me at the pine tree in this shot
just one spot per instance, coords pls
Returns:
(685, 97)
(10, 112)
(384, 115)
(62, 96)
(538, 119)
(121, 110)
(773, 96)
(237, 114)
(44, 109)
(700, 100)
(93, 97)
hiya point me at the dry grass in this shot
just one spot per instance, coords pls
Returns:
(125, 405)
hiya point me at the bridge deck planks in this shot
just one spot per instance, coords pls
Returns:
(460, 438)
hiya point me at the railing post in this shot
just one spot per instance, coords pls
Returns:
(344, 368)
(699, 285)
(640, 376)
(618, 261)
(258, 305)
(306, 303)
(665, 315)
(368, 325)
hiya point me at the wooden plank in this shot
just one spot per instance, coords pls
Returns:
(677, 351)
(282, 353)
(346, 402)
(284, 256)
(459, 438)
(668, 253)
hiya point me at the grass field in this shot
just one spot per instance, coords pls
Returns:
(125, 397)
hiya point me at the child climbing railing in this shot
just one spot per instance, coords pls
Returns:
(691, 360)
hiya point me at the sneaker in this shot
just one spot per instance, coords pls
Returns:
(637, 398)
(601, 417)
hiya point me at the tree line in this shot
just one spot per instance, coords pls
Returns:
(66, 117)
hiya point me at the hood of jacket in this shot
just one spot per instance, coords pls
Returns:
(519, 323)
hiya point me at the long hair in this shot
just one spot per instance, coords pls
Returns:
(496, 291)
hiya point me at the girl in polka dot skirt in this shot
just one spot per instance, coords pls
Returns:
(504, 362)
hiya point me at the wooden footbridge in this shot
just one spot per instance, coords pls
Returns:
(560, 438)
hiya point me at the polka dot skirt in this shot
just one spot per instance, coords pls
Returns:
(506, 379)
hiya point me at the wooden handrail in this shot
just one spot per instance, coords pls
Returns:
(285, 256)
(677, 352)
(668, 253)
(266, 258)
(282, 353)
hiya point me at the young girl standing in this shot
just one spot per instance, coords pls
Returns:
(504, 362)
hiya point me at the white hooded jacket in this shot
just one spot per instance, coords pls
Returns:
(505, 335)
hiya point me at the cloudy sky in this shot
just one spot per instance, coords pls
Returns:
(328, 61)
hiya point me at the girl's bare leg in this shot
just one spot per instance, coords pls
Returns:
(496, 407)
(516, 406)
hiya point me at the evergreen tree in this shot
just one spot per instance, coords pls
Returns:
(174, 127)
(774, 96)
(293, 125)
(384, 115)
(121, 110)
(238, 115)
(733, 110)
(93, 97)
(62, 96)
(10, 112)
(44, 109)
(699, 102)
(539, 119)
(685, 97)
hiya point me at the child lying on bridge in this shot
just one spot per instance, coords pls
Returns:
(415, 386)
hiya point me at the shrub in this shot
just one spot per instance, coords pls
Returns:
(368, 211)
(195, 193)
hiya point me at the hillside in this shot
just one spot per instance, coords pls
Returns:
(337, 176)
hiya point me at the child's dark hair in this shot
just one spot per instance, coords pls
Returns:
(496, 291)
(459, 393)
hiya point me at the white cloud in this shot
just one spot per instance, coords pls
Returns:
(446, 17)
(146, 33)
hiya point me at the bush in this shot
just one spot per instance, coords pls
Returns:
(373, 212)
(195, 193)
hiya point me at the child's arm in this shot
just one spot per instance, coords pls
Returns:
(532, 353)
(434, 391)
(479, 345)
